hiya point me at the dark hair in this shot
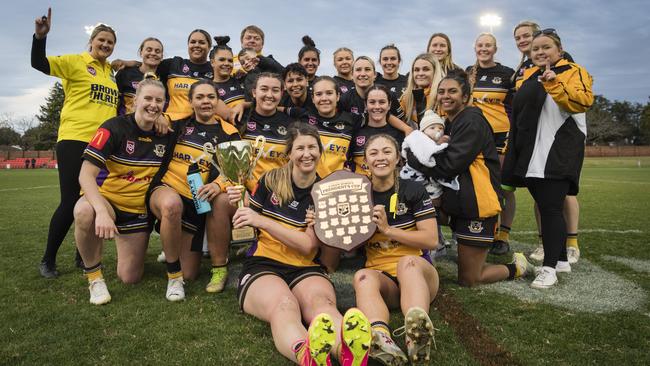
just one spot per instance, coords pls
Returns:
(462, 79)
(193, 87)
(391, 47)
(395, 144)
(295, 68)
(381, 88)
(205, 34)
(271, 75)
(309, 45)
(327, 78)
(147, 40)
(222, 44)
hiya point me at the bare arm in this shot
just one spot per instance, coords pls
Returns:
(104, 222)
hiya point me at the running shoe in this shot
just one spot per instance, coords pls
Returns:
(48, 270)
(522, 265)
(500, 247)
(562, 267)
(546, 278)
(355, 338)
(321, 337)
(573, 254)
(386, 351)
(537, 254)
(99, 294)
(175, 289)
(218, 280)
(161, 258)
(419, 335)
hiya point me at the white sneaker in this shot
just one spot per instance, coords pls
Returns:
(562, 267)
(573, 254)
(537, 254)
(546, 278)
(99, 294)
(161, 258)
(175, 289)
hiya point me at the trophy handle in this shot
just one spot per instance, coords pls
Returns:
(260, 141)
(209, 152)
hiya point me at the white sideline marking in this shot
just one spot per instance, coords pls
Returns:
(589, 231)
(637, 265)
(26, 188)
(614, 181)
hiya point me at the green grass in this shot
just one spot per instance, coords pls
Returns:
(51, 321)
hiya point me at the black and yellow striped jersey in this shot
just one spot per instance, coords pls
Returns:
(290, 215)
(231, 91)
(335, 135)
(344, 85)
(358, 145)
(128, 158)
(178, 74)
(397, 86)
(188, 148)
(355, 104)
(419, 104)
(413, 205)
(127, 81)
(274, 128)
(492, 94)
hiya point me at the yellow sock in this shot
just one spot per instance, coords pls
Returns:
(95, 275)
(503, 234)
(572, 240)
(381, 328)
(171, 276)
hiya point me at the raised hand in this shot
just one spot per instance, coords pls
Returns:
(42, 25)
(548, 74)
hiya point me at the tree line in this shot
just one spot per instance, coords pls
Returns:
(608, 123)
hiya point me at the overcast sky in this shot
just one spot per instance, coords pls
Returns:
(610, 38)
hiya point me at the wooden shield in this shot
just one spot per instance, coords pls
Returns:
(343, 208)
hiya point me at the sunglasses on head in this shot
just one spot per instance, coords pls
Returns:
(547, 31)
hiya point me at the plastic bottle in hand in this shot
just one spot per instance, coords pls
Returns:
(195, 181)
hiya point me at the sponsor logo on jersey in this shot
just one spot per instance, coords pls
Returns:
(91, 71)
(186, 69)
(496, 80)
(159, 150)
(483, 78)
(209, 75)
(100, 138)
(221, 92)
(189, 130)
(104, 95)
(251, 126)
(266, 127)
(294, 205)
(361, 140)
(475, 227)
(232, 88)
(144, 139)
(202, 133)
(282, 130)
(195, 74)
(274, 199)
(312, 120)
(130, 146)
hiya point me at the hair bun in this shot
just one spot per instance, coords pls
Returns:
(222, 40)
(307, 41)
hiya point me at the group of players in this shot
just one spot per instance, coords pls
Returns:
(440, 145)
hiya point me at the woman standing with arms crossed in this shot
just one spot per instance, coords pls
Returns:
(492, 91)
(547, 142)
(91, 97)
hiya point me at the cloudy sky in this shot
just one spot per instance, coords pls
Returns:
(611, 39)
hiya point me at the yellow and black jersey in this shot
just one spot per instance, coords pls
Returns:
(190, 136)
(178, 74)
(91, 95)
(127, 81)
(358, 145)
(353, 103)
(419, 104)
(492, 94)
(274, 128)
(290, 215)
(527, 64)
(231, 91)
(335, 135)
(413, 205)
(396, 86)
(344, 85)
(129, 158)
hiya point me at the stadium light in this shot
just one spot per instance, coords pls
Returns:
(89, 29)
(490, 20)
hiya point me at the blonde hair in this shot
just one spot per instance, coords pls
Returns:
(447, 63)
(474, 69)
(343, 49)
(407, 98)
(534, 27)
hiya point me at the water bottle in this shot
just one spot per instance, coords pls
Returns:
(195, 182)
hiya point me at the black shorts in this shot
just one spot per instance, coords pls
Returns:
(391, 277)
(475, 232)
(501, 141)
(128, 222)
(191, 221)
(256, 267)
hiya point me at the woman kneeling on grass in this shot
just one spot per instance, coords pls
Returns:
(119, 163)
(280, 283)
(398, 271)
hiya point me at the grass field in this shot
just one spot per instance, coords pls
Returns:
(599, 313)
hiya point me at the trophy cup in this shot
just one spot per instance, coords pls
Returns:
(236, 161)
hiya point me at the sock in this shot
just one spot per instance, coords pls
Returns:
(503, 234)
(174, 270)
(298, 349)
(512, 270)
(94, 273)
(572, 240)
(380, 326)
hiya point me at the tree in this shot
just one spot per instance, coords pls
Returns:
(50, 117)
(603, 127)
(644, 124)
(8, 136)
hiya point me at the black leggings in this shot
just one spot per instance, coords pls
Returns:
(68, 155)
(549, 195)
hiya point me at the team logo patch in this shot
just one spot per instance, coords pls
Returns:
(312, 120)
(221, 92)
(496, 80)
(100, 138)
(343, 208)
(274, 199)
(130, 146)
(251, 126)
(189, 130)
(475, 227)
(159, 150)
(344, 89)
(354, 110)
(282, 130)
(402, 209)
(339, 126)
(91, 71)
(186, 69)
(361, 140)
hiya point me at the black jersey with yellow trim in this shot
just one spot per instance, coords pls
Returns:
(295, 110)
(353, 103)
(191, 135)
(344, 85)
(129, 158)
(396, 86)
(358, 145)
(290, 215)
(275, 129)
(492, 94)
(127, 81)
(413, 205)
(335, 135)
(178, 75)
(231, 91)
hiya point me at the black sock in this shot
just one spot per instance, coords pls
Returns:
(173, 267)
(512, 270)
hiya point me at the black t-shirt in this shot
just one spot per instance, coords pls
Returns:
(397, 86)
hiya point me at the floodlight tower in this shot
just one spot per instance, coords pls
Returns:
(490, 20)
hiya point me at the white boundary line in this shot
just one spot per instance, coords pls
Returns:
(26, 188)
(613, 181)
(588, 231)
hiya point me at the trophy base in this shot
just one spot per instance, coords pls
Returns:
(243, 235)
